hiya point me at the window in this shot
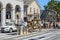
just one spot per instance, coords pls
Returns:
(8, 15)
(8, 11)
(37, 10)
(34, 11)
(30, 9)
(18, 10)
(8, 24)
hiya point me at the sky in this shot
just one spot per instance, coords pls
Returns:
(42, 3)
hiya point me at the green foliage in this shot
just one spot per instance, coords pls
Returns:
(55, 6)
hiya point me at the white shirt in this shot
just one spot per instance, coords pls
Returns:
(25, 24)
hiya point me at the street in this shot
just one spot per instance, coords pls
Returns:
(7, 35)
(52, 34)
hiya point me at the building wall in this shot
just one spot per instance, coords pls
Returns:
(33, 6)
(33, 9)
(13, 3)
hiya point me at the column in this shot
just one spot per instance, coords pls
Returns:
(13, 15)
(3, 16)
(22, 13)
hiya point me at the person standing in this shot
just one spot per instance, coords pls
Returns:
(25, 28)
(53, 25)
(21, 26)
(44, 25)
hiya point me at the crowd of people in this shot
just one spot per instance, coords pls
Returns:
(50, 25)
(24, 23)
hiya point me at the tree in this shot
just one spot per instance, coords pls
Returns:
(54, 5)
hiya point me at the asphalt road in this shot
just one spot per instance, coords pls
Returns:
(7, 35)
(52, 35)
(45, 35)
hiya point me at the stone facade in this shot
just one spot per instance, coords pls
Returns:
(10, 7)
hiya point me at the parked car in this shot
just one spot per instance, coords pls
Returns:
(8, 28)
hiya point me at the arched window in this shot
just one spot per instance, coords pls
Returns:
(8, 11)
(17, 11)
(17, 8)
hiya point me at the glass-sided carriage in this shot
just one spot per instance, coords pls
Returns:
(34, 24)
